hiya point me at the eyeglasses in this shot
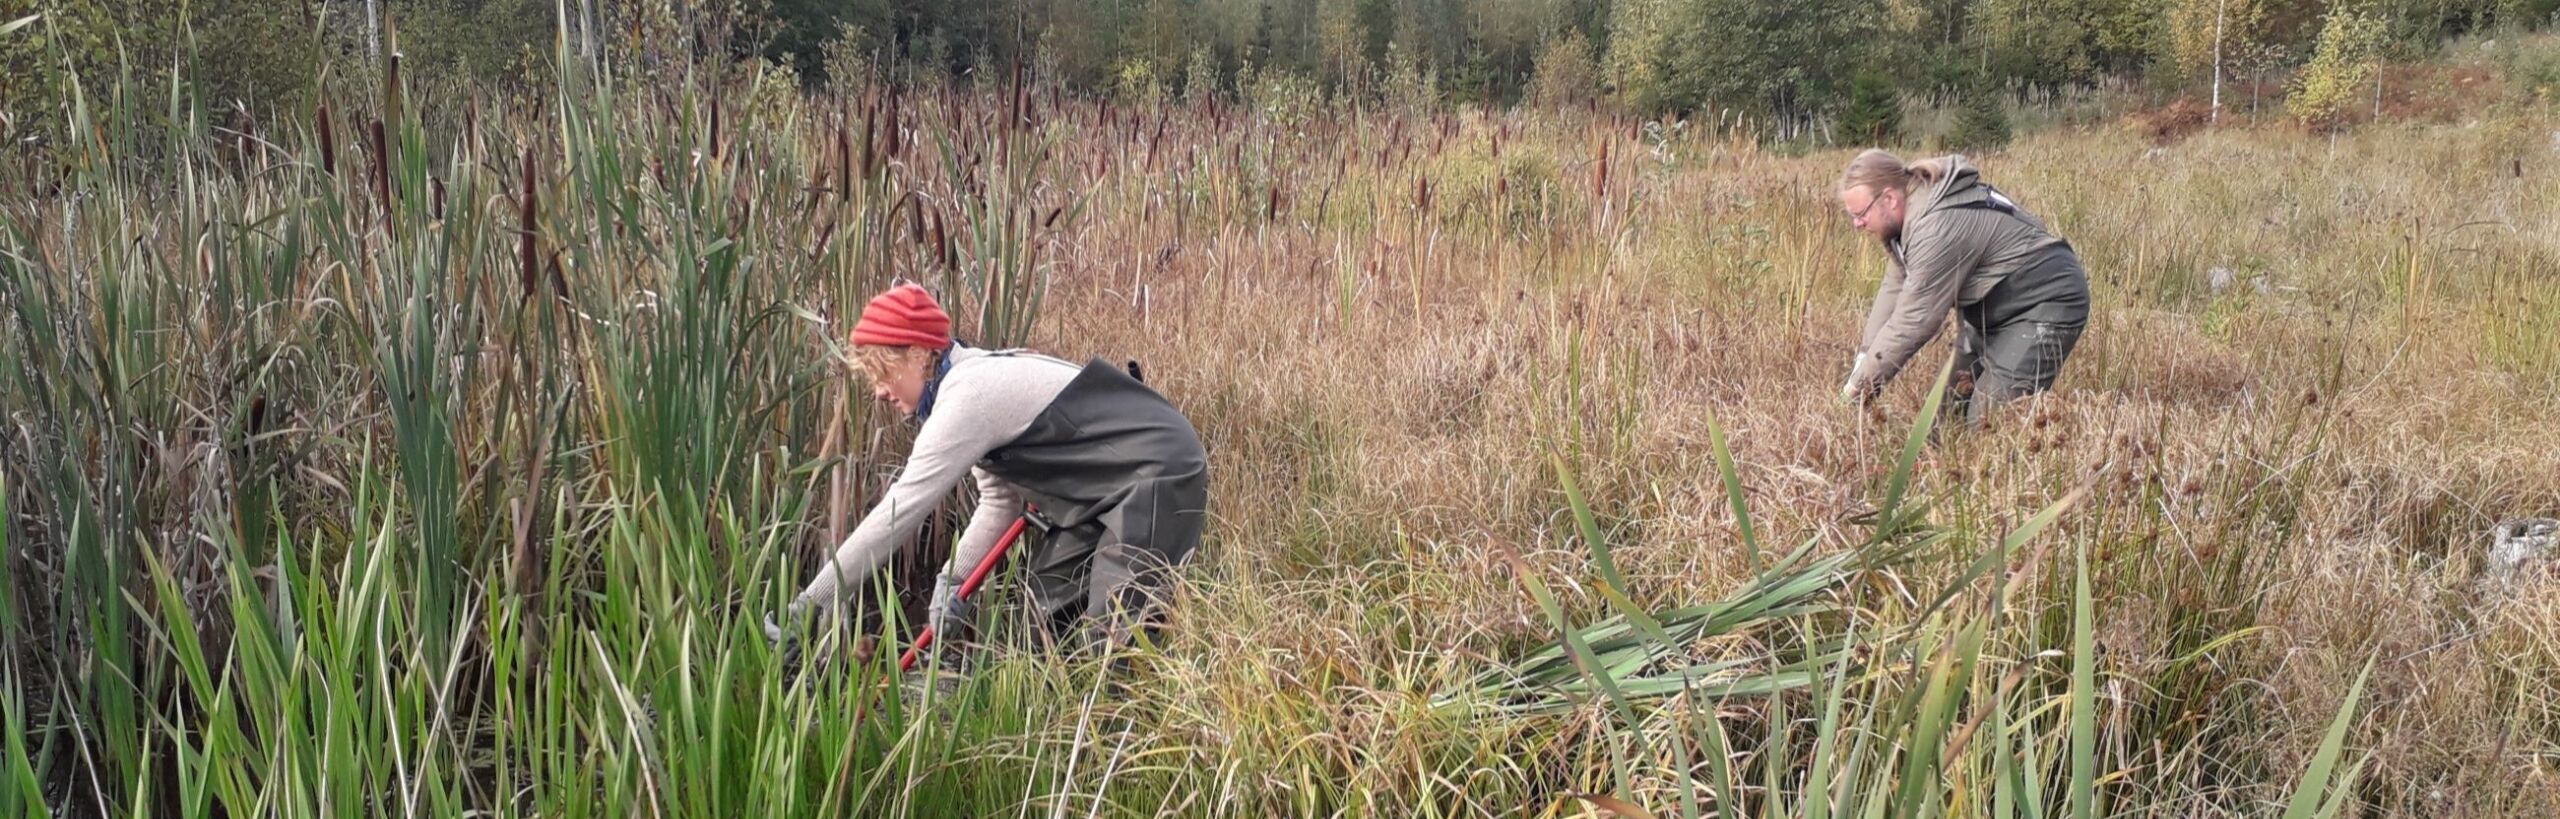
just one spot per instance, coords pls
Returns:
(1860, 215)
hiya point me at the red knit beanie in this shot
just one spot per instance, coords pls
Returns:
(906, 316)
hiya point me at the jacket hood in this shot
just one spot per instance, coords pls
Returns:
(1959, 187)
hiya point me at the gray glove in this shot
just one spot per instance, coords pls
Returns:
(785, 641)
(795, 619)
(774, 631)
(948, 615)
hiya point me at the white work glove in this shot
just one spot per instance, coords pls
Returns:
(1857, 390)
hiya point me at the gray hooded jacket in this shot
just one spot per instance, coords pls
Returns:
(1966, 247)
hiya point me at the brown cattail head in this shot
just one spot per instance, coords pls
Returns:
(530, 206)
(382, 174)
(844, 164)
(559, 280)
(328, 143)
(889, 132)
(941, 240)
(1600, 175)
(1021, 102)
(870, 139)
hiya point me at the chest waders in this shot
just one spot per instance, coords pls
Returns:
(1119, 487)
(2017, 335)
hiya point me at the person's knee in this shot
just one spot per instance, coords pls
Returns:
(1129, 586)
(1127, 575)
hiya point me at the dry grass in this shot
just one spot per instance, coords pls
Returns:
(2388, 427)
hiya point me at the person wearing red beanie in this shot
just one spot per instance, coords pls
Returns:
(1111, 473)
(902, 337)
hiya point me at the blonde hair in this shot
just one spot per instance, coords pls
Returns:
(877, 361)
(1879, 171)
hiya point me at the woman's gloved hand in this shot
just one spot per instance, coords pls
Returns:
(773, 631)
(948, 615)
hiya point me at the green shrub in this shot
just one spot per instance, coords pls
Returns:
(2342, 66)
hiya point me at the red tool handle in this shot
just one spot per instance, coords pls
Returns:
(986, 565)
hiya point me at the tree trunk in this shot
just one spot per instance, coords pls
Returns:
(2220, 10)
(2377, 90)
(372, 28)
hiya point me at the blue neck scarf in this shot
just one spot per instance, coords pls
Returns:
(933, 386)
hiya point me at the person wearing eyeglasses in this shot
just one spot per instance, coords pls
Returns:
(1952, 242)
